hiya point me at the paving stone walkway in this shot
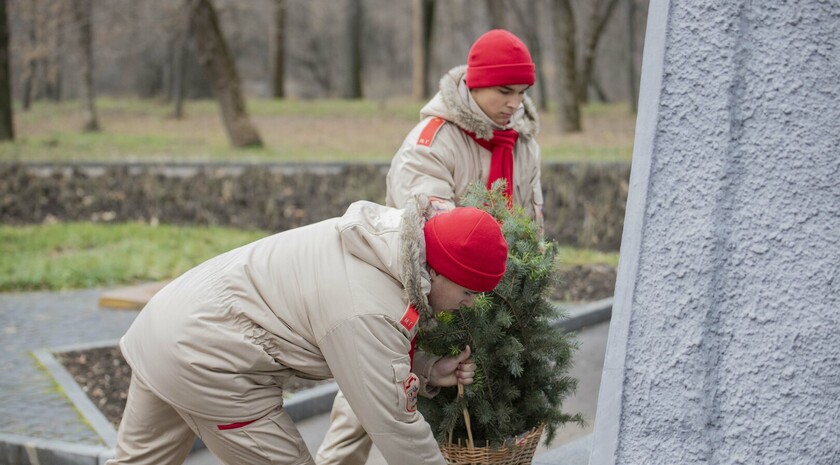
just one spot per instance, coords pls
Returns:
(31, 404)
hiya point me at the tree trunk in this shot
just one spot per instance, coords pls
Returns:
(498, 14)
(179, 69)
(56, 61)
(424, 12)
(564, 38)
(279, 90)
(353, 73)
(631, 55)
(7, 127)
(597, 23)
(600, 93)
(214, 56)
(529, 22)
(82, 11)
(30, 55)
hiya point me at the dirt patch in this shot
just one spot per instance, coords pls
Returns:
(104, 375)
(586, 283)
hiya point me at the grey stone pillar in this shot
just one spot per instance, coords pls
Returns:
(725, 339)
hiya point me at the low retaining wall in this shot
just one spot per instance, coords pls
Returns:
(584, 203)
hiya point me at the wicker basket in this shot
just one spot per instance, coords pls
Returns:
(519, 451)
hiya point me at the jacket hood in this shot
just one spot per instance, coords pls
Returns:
(391, 240)
(452, 103)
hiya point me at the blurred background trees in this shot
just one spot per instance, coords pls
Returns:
(585, 50)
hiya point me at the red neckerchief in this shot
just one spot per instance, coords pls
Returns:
(501, 163)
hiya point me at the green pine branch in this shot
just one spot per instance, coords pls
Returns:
(522, 375)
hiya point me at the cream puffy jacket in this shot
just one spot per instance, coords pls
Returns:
(321, 301)
(442, 164)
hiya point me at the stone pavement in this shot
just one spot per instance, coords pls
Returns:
(39, 416)
(31, 404)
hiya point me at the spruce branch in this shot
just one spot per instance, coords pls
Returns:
(522, 362)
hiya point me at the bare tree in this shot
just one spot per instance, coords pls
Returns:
(7, 130)
(498, 14)
(82, 13)
(54, 63)
(424, 16)
(353, 73)
(564, 38)
(214, 56)
(600, 15)
(279, 90)
(31, 54)
(179, 71)
(528, 22)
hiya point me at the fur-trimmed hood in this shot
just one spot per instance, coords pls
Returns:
(453, 103)
(372, 233)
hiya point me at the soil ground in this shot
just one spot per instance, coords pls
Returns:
(104, 375)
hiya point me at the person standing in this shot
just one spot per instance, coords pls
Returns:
(480, 127)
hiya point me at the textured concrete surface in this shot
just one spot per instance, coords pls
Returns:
(724, 347)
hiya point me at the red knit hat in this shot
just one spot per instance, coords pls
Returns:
(466, 246)
(499, 58)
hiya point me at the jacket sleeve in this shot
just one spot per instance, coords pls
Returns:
(537, 192)
(418, 169)
(368, 356)
(422, 367)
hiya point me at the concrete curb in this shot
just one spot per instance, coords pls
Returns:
(26, 450)
(75, 393)
(304, 404)
(585, 315)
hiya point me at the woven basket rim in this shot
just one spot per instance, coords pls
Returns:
(521, 452)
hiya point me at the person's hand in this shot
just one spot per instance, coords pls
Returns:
(451, 370)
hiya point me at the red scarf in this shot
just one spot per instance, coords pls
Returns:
(501, 163)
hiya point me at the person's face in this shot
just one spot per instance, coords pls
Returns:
(500, 102)
(446, 296)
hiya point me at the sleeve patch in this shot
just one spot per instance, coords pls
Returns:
(409, 318)
(411, 386)
(430, 131)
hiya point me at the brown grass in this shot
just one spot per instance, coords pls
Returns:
(291, 131)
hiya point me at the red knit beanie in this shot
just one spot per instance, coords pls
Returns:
(466, 246)
(499, 58)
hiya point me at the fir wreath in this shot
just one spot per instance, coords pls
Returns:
(522, 362)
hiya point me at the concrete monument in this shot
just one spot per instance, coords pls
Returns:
(725, 336)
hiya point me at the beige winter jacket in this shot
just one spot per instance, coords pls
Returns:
(441, 161)
(325, 300)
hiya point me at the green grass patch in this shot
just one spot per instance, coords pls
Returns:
(81, 146)
(572, 256)
(326, 108)
(292, 130)
(79, 255)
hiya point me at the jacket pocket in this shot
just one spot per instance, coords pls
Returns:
(406, 386)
